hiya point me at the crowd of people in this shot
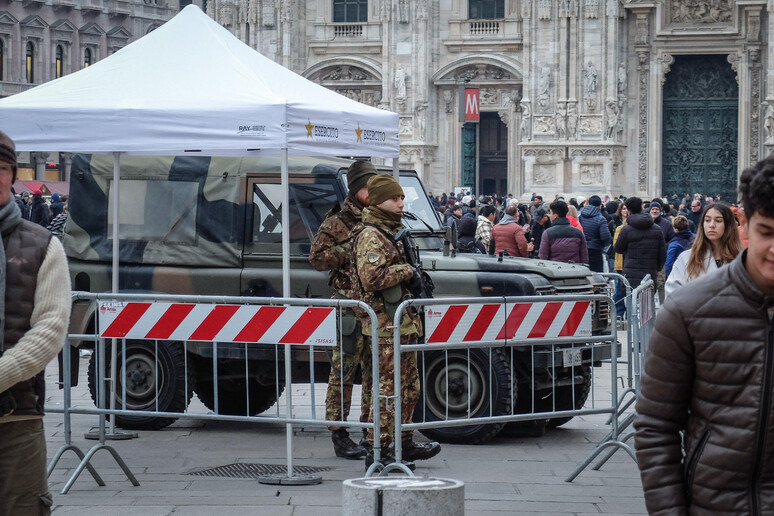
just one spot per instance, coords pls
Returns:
(48, 212)
(672, 242)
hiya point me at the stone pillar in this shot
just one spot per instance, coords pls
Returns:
(65, 165)
(39, 159)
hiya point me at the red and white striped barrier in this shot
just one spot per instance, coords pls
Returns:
(218, 323)
(511, 321)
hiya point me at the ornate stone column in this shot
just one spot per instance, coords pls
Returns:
(39, 159)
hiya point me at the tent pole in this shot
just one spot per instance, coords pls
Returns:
(114, 342)
(285, 181)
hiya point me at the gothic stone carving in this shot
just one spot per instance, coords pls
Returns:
(544, 174)
(543, 125)
(591, 174)
(701, 11)
(591, 124)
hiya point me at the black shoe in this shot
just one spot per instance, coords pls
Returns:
(364, 441)
(387, 457)
(345, 447)
(420, 451)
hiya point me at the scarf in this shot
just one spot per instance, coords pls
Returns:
(10, 217)
(388, 220)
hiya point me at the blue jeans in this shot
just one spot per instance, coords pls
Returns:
(619, 298)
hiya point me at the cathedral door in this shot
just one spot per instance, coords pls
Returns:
(699, 152)
(469, 156)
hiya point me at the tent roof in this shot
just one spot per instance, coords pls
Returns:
(191, 86)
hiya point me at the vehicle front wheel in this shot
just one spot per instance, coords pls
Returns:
(234, 388)
(155, 380)
(456, 384)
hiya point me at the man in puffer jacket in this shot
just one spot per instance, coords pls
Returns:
(562, 242)
(709, 375)
(596, 231)
(641, 243)
(509, 235)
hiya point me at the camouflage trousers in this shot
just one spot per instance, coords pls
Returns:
(409, 386)
(344, 367)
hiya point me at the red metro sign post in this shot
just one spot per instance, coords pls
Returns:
(472, 113)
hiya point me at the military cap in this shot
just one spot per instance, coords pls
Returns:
(358, 175)
(383, 187)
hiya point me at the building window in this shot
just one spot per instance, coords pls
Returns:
(30, 63)
(59, 61)
(87, 58)
(486, 9)
(350, 11)
(2, 60)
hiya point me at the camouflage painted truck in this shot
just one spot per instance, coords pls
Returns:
(198, 225)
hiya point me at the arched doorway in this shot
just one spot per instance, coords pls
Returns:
(700, 122)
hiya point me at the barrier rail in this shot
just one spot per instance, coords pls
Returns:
(249, 327)
(549, 337)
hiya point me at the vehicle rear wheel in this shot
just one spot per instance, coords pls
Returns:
(145, 373)
(234, 388)
(456, 384)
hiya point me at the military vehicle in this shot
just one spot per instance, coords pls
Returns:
(200, 225)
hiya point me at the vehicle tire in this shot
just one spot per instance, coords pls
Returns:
(141, 382)
(564, 398)
(232, 391)
(436, 368)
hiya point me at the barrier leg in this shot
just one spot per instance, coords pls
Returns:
(596, 452)
(624, 424)
(79, 453)
(85, 463)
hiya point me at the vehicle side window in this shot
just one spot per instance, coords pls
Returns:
(309, 202)
(156, 210)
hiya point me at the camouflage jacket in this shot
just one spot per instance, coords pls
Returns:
(381, 264)
(333, 248)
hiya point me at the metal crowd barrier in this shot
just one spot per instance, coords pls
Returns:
(549, 330)
(641, 316)
(213, 320)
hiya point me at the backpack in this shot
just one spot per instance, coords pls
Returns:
(468, 247)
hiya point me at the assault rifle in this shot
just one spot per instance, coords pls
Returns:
(420, 285)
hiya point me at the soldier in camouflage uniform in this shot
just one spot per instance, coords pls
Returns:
(384, 276)
(332, 251)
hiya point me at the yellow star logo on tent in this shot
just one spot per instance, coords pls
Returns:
(309, 128)
(359, 132)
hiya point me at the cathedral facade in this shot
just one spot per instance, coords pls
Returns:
(644, 97)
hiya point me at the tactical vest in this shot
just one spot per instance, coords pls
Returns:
(25, 250)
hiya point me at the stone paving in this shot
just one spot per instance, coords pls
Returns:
(508, 475)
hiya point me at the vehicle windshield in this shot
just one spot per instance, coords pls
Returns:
(417, 203)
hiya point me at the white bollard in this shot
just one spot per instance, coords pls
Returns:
(403, 496)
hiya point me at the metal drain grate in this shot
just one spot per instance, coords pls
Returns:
(255, 470)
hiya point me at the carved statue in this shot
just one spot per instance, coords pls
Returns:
(590, 79)
(420, 123)
(701, 11)
(544, 81)
(612, 120)
(400, 82)
(572, 120)
(768, 123)
(448, 98)
(622, 80)
(560, 121)
(403, 11)
(526, 134)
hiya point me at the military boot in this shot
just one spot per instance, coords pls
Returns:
(364, 441)
(345, 447)
(387, 457)
(419, 451)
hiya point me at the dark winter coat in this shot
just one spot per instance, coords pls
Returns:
(679, 243)
(695, 218)
(39, 213)
(666, 228)
(536, 232)
(709, 374)
(594, 227)
(467, 242)
(564, 243)
(642, 245)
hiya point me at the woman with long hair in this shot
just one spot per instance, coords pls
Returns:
(619, 221)
(717, 243)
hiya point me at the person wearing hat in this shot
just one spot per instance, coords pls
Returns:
(384, 276)
(668, 231)
(39, 212)
(35, 308)
(596, 231)
(539, 224)
(57, 205)
(333, 251)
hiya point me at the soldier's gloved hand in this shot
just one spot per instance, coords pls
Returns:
(7, 403)
(415, 282)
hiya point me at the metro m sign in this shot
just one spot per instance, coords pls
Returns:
(471, 105)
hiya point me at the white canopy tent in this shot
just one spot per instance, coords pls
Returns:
(188, 87)
(191, 87)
